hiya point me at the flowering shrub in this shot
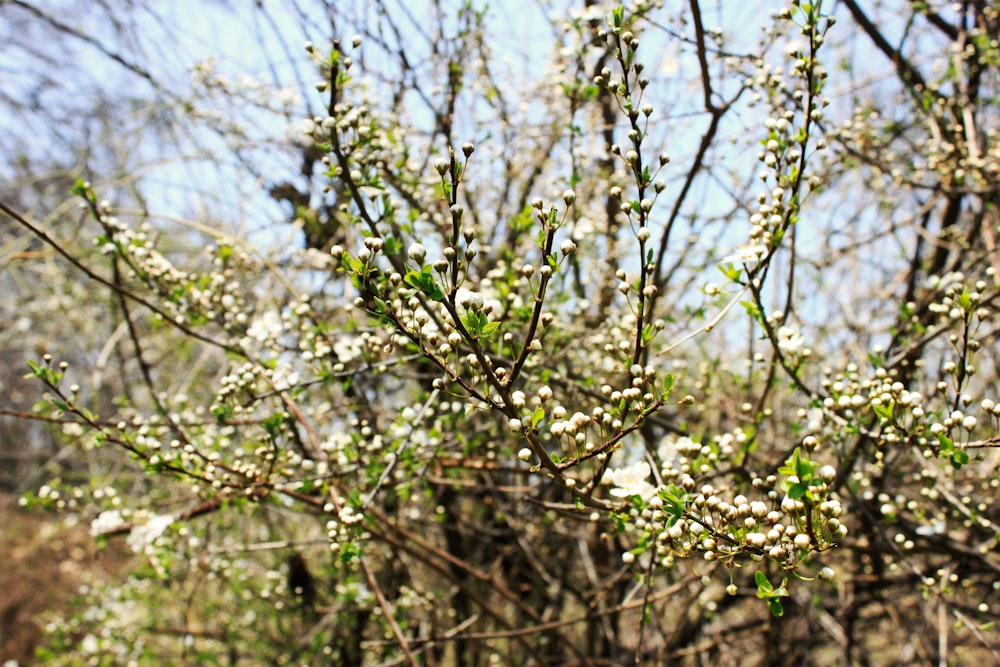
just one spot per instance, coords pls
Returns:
(535, 394)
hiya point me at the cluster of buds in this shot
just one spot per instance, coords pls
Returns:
(680, 519)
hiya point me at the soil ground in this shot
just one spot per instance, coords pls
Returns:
(42, 565)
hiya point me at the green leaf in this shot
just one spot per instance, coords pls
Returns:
(797, 491)
(470, 321)
(222, 412)
(884, 411)
(80, 188)
(675, 502)
(766, 591)
(804, 468)
(668, 385)
(959, 458)
(350, 263)
(617, 17)
(731, 271)
(947, 444)
(423, 280)
(392, 245)
(751, 309)
(775, 607)
(272, 424)
(798, 466)
(763, 584)
(490, 329)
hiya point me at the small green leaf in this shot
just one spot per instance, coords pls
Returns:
(617, 17)
(797, 491)
(751, 309)
(959, 458)
(763, 584)
(775, 607)
(883, 411)
(471, 323)
(668, 384)
(731, 271)
(489, 329)
(424, 281)
(553, 218)
(80, 188)
(675, 502)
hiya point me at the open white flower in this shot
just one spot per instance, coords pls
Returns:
(106, 522)
(631, 481)
(748, 255)
(790, 341)
(265, 326)
(348, 347)
(143, 535)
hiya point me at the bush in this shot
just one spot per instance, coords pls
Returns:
(533, 391)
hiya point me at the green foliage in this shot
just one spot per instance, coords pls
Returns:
(767, 591)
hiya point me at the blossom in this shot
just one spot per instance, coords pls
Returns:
(265, 326)
(145, 534)
(89, 645)
(672, 448)
(746, 254)
(348, 348)
(106, 522)
(667, 451)
(284, 378)
(593, 12)
(314, 259)
(631, 481)
(790, 341)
